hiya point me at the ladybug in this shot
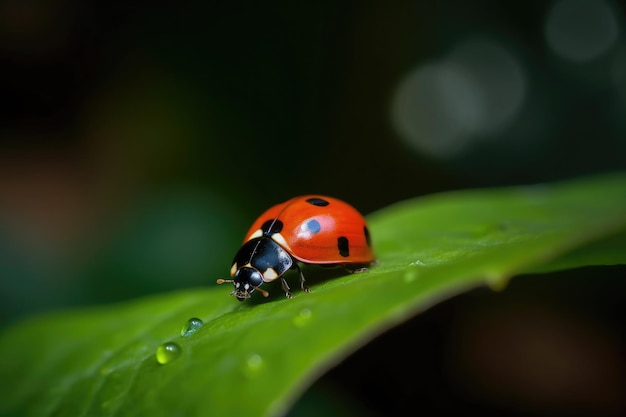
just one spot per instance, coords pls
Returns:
(310, 229)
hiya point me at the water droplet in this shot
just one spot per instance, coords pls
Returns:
(410, 276)
(417, 263)
(485, 230)
(303, 317)
(167, 352)
(497, 281)
(193, 325)
(105, 370)
(254, 363)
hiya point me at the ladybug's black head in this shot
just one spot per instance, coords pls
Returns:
(246, 280)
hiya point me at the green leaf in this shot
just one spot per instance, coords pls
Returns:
(255, 358)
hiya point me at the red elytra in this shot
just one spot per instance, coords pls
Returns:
(336, 219)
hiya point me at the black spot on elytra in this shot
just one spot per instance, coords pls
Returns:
(344, 246)
(367, 236)
(271, 226)
(320, 202)
(313, 226)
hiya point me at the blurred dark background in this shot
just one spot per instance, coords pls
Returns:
(138, 141)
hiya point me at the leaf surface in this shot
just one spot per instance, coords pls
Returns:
(255, 358)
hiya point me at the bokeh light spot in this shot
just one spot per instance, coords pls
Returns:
(442, 109)
(581, 30)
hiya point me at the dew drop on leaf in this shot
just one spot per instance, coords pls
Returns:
(167, 352)
(497, 282)
(254, 363)
(105, 370)
(303, 317)
(410, 276)
(193, 325)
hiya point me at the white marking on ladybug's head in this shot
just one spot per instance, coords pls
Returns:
(246, 280)
(278, 238)
(270, 274)
(244, 285)
(233, 269)
(257, 233)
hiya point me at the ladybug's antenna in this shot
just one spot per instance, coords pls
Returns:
(262, 291)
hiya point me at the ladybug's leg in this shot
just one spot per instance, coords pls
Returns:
(286, 288)
(302, 280)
